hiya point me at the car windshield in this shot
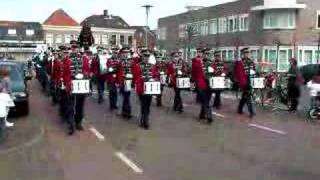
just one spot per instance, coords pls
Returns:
(14, 73)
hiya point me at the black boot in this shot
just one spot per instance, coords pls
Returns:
(79, 127)
(71, 130)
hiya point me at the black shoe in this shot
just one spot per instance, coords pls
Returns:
(79, 127)
(209, 120)
(146, 126)
(71, 131)
(100, 100)
(180, 111)
(240, 112)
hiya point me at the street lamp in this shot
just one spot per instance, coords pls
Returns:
(147, 7)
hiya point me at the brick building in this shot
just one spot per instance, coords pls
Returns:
(140, 36)
(274, 30)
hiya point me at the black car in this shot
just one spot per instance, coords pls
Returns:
(18, 87)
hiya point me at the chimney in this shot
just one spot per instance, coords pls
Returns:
(105, 13)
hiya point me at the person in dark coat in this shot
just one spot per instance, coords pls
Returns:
(294, 81)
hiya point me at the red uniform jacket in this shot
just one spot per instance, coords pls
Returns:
(172, 73)
(67, 73)
(121, 74)
(95, 69)
(198, 74)
(240, 74)
(138, 76)
(56, 75)
(220, 67)
(112, 77)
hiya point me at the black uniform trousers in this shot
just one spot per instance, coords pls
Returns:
(53, 93)
(205, 98)
(217, 99)
(159, 97)
(293, 94)
(126, 104)
(72, 109)
(177, 104)
(101, 88)
(145, 103)
(113, 95)
(246, 98)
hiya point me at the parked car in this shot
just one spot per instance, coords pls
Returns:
(308, 71)
(18, 87)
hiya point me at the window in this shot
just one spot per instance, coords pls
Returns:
(308, 56)
(232, 24)
(113, 39)
(230, 55)
(162, 33)
(213, 26)
(67, 38)
(271, 56)
(105, 39)
(279, 19)
(97, 38)
(254, 55)
(59, 39)
(224, 55)
(130, 40)
(49, 39)
(12, 32)
(29, 32)
(122, 39)
(196, 28)
(318, 20)
(222, 28)
(283, 60)
(244, 22)
(182, 31)
(204, 28)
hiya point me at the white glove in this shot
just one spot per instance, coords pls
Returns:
(179, 72)
(129, 76)
(79, 76)
(252, 72)
(210, 70)
(223, 74)
(110, 69)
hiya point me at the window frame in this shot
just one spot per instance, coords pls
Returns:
(222, 24)
(11, 30)
(274, 15)
(215, 26)
(242, 18)
(318, 20)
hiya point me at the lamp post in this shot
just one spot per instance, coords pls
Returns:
(147, 7)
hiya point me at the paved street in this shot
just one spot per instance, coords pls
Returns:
(272, 146)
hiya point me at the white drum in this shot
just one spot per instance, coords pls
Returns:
(152, 88)
(183, 83)
(217, 82)
(127, 85)
(103, 64)
(81, 86)
(257, 83)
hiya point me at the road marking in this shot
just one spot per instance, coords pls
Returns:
(267, 129)
(217, 114)
(97, 133)
(127, 161)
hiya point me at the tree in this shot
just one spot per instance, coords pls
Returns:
(86, 38)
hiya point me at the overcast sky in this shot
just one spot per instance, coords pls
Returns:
(129, 10)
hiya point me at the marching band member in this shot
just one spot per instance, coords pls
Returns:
(144, 72)
(56, 77)
(199, 66)
(74, 66)
(162, 68)
(125, 76)
(112, 65)
(176, 69)
(98, 62)
(244, 70)
(220, 69)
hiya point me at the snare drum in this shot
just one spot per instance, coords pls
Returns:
(217, 82)
(81, 86)
(152, 88)
(257, 83)
(183, 83)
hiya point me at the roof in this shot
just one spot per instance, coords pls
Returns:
(106, 22)
(60, 18)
